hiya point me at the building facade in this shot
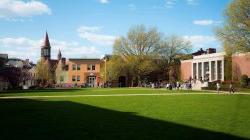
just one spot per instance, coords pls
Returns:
(211, 66)
(74, 71)
(84, 71)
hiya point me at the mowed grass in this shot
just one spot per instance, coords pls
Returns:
(183, 116)
(91, 91)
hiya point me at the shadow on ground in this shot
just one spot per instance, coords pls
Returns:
(39, 90)
(44, 120)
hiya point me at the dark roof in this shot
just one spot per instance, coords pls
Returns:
(4, 56)
(90, 59)
(52, 64)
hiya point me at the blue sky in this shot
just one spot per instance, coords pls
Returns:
(87, 28)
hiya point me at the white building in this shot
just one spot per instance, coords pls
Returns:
(208, 67)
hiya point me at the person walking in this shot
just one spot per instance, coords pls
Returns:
(231, 88)
(177, 85)
(218, 87)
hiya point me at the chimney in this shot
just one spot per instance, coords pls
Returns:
(211, 50)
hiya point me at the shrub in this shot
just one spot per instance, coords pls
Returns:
(244, 81)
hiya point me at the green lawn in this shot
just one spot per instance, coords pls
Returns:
(183, 116)
(90, 91)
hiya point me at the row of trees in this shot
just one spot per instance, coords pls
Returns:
(144, 52)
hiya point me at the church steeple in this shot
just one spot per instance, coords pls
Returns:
(59, 56)
(46, 40)
(45, 49)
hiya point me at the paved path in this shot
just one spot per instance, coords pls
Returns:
(117, 95)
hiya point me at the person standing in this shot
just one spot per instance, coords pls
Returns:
(218, 87)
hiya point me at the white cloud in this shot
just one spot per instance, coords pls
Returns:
(170, 3)
(132, 7)
(192, 2)
(10, 9)
(200, 41)
(91, 33)
(206, 22)
(104, 1)
(26, 48)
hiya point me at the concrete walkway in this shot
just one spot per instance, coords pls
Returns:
(119, 95)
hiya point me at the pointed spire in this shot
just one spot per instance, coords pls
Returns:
(59, 56)
(46, 41)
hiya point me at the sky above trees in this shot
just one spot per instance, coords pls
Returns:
(87, 28)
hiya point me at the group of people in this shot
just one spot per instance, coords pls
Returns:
(231, 88)
(172, 85)
(188, 85)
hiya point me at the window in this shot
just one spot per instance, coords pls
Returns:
(78, 78)
(91, 67)
(73, 78)
(74, 66)
(78, 67)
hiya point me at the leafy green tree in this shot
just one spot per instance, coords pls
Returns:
(138, 42)
(115, 67)
(235, 34)
(137, 50)
(144, 52)
(43, 73)
(244, 81)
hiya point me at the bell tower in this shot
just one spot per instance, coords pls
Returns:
(46, 48)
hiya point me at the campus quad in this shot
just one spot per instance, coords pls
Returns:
(135, 113)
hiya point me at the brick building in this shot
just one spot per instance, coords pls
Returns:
(84, 71)
(74, 71)
(211, 66)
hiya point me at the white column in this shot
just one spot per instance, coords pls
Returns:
(222, 69)
(216, 70)
(202, 70)
(197, 71)
(210, 71)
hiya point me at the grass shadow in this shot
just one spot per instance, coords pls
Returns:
(40, 119)
(40, 90)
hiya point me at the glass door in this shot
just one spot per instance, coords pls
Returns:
(91, 81)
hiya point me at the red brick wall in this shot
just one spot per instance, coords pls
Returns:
(240, 65)
(186, 70)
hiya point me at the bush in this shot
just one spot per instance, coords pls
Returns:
(244, 81)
